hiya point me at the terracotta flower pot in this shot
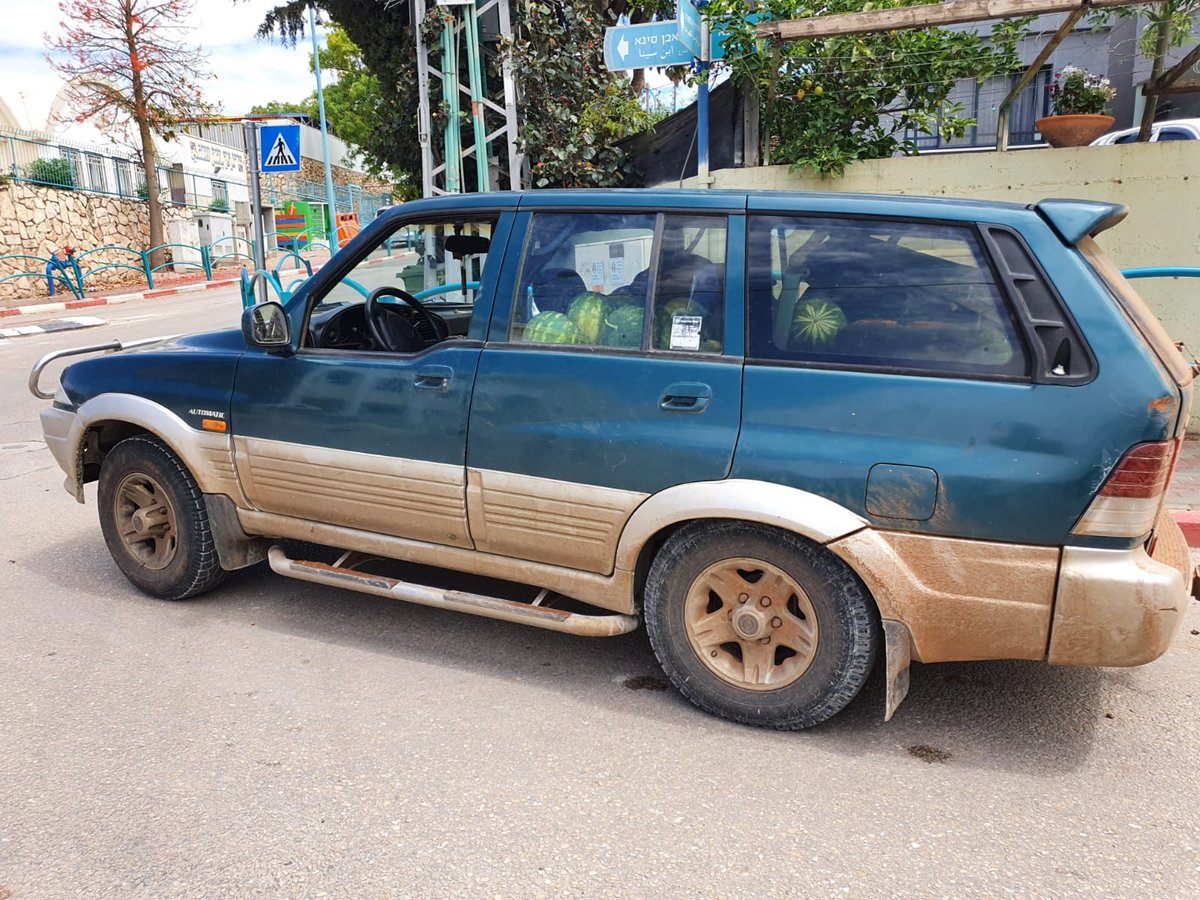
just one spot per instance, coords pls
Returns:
(1073, 131)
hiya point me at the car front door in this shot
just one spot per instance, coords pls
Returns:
(350, 432)
(612, 371)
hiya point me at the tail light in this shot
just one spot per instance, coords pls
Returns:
(1127, 505)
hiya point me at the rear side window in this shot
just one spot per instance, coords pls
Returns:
(633, 281)
(895, 295)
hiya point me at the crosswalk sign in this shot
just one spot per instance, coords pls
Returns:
(279, 148)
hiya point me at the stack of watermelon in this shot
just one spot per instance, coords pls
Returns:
(588, 311)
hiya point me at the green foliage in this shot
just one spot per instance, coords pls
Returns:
(1078, 92)
(574, 109)
(830, 102)
(51, 172)
(219, 204)
(308, 106)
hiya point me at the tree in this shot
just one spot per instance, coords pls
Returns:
(549, 32)
(831, 101)
(308, 106)
(126, 65)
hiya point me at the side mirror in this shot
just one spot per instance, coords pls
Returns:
(266, 325)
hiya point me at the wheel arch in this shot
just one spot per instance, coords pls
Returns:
(803, 513)
(105, 420)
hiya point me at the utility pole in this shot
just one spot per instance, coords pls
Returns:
(329, 196)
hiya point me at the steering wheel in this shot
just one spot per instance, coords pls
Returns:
(393, 331)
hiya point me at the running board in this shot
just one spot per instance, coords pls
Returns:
(475, 604)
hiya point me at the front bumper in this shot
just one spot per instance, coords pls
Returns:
(1121, 607)
(56, 426)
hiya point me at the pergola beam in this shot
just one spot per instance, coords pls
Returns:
(1166, 81)
(951, 12)
(1064, 29)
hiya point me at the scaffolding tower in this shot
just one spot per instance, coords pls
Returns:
(471, 33)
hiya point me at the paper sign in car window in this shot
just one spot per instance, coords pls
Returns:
(685, 332)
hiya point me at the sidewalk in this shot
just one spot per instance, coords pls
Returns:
(1183, 500)
(105, 299)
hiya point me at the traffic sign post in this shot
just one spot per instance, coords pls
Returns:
(279, 148)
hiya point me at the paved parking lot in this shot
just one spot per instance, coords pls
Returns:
(278, 738)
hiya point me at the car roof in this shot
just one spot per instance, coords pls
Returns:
(1190, 124)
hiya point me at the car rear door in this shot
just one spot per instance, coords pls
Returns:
(612, 370)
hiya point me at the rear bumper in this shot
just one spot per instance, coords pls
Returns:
(1121, 607)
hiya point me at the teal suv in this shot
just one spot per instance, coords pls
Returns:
(799, 435)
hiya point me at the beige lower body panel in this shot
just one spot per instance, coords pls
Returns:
(556, 522)
(960, 599)
(391, 496)
(612, 592)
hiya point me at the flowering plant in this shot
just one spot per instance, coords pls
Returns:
(1076, 91)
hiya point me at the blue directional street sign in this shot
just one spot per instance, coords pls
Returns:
(689, 32)
(644, 46)
(279, 148)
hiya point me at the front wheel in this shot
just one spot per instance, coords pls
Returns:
(155, 521)
(759, 625)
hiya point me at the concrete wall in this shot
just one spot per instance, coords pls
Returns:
(41, 220)
(1160, 183)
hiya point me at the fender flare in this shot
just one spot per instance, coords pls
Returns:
(207, 455)
(816, 518)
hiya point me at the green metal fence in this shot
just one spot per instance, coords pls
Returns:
(74, 273)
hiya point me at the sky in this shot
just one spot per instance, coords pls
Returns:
(247, 70)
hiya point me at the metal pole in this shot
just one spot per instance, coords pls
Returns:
(510, 104)
(702, 108)
(450, 95)
(474, 74)
(424, 123)
(333, 230)
(250, 130)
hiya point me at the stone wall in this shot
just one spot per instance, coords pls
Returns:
(39, 220)
(313, 170)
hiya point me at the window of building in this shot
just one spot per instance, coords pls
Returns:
(623, 280)
(875, 294)
(125, 182)
(220, 192)
(97, 177)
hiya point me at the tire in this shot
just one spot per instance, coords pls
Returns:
(732, 643)
(155, 521)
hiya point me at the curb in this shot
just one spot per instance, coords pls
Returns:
(65, 305)
(1189, 523)
(69, 324)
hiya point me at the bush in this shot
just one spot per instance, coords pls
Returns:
(219, 205)
(52, 172)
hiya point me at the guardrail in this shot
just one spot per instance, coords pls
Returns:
(74, 272)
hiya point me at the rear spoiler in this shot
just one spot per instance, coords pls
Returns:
(1076, 219)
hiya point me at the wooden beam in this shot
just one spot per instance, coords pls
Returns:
(1064, 29)
(1168, 78)
(951, 12)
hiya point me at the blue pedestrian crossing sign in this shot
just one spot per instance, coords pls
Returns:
(279, 148)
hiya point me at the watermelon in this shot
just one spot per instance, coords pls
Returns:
(588, 312)
(623, 327)
(552, 328)
(817, 324)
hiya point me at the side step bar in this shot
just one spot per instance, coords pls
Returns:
(475, 604)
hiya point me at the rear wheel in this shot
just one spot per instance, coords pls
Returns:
(758, 625)
(155, 521)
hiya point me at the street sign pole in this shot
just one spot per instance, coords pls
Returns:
(702, 107)
(250, 130)
(333, 229)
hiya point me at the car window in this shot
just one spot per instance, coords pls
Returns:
(900, 295)
(415, 259)
(1175, 134)
(1127, 138)
(594, 279)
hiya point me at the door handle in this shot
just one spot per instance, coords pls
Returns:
(433, 378)
(685, 396)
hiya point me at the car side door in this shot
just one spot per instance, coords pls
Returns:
(349, 433)
(612, 371)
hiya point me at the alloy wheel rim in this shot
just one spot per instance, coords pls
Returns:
(146, 521)
(751, 624)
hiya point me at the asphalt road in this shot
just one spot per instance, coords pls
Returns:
(282, 739)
